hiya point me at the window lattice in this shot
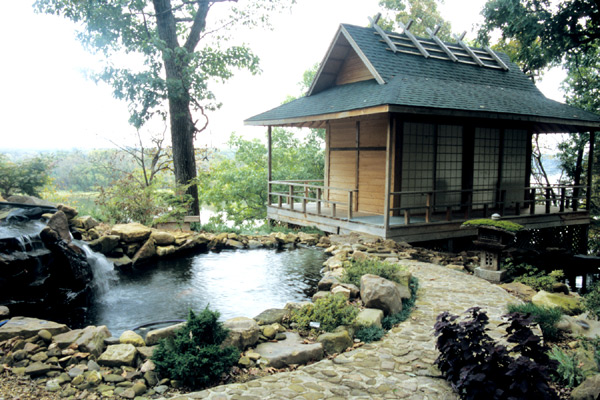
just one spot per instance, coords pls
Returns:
(417, 160)
(449, 164)
(485, 165)
(514, 164)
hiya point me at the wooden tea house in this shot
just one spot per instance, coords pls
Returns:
(421, 135)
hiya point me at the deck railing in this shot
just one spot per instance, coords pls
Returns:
(563, 197)
(307, 191)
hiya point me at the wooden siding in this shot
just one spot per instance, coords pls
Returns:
(353, 70)
(371, 181)
(341, 173)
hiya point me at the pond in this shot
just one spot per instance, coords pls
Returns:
(240, 283)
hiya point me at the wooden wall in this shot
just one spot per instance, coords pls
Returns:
(353, 70)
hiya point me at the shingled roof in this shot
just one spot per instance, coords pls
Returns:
(407, 82)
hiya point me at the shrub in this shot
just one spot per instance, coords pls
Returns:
(591, 301)
(486, 222)
(195, 355)
(330, 311)
(546, 317)
(407, 306)
(369, 334)
(356, 269)
(478, 367)
(568, 371)
(532, 276)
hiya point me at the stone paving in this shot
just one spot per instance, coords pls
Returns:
(400, 366)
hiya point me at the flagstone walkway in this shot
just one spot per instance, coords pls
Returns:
(400, 366)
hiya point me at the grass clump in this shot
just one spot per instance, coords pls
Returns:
(368, 334)
(330, 311)
(195, 356)
(407, 306)
(356, 269)
(546, 317)
(485, 222)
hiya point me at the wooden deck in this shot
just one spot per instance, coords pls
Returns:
(417, 229)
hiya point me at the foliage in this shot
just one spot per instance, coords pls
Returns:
(546, 317)
(591, 301)
(478, 367)
(126, 200)
(355, 269)
(195, 355)
(407, 307)
(330, 311)
(532, 276)
(568, 372)
(182, 52)
(368, 334)
(424, 13)
(27, 176)
(486, 222)
(237, 185)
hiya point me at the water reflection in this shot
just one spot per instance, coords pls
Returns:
(236, 283)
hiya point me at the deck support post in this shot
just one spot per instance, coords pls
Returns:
(269, 173)
(350, 204)
(319, 194)
(291, 196)
(388, 172)
(563, 196)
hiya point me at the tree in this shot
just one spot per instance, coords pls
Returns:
(177, 67)
(424, 13)
(28, 176)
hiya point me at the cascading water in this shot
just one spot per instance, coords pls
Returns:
(102, 269)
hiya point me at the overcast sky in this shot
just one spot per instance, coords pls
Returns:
(47, 103)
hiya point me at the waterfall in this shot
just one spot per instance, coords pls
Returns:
(102, 269)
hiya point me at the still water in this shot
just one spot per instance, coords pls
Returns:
(235, 283)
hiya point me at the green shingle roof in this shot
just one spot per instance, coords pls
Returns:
(416, 81)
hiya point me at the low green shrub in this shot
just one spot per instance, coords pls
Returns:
(532, 276)
(195, 356)
(591, 301)
(546, 317)
(368, 334)
(567, 371)
(486, 222)
(355, 269)
(330, 311)
(407, 306)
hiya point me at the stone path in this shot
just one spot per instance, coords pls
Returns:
(400, 366)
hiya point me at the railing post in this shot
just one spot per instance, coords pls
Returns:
(406, 217)
(291, 196)
(502, 202)
(469, 205)
(279, 200)
(350, 205)
(269, 190)
(517, 208)
(333, 210)
(428, 208)
(575, 200)
(319, 194)
(548, 199)
(304, 204)
(486, 206)
(532, 202)
(563, 195)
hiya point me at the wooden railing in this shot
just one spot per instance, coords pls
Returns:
(564, 197)
(291, 192)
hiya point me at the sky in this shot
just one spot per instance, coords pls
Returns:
(46, 101)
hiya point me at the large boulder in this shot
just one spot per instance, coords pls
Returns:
(154, 336)
(92, 339)
(589, 389)
(369, 317)
(145, 253)
(577, 326)
(105, 244)
(569, 304)
(292, 350)
(60, 224)
(118, 355)
(335, 342)
(131, 232)
(380, 293)
(243, 332)
(271, 316)
(162, 238)
(130, 337)
(28, 327)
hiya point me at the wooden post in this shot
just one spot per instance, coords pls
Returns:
(532, 202)
(388, 173)
(485, 210)
(319, 194)
(269, 172)
(469, 205)
(588, 192)
(349, 205)
(563, 196)
(291, 196)
(548, 190)
(502, 202)
(448, 213)
(428, 208)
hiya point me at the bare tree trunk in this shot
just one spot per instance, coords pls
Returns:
(541, 176)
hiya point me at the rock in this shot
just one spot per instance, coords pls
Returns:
(360, 256)
(145, 253)
(271, 316)
(105, 244)
(519, 290)
(86, 222)
(369, 317)
(338, 289)
(163, 251)
(327, 282)
(53, 385)
(146, 351)
(162, 238)
(335, 342)
(38, 368)
(269, 331)
(131, 232)
(130, 337)
(377, 292)
(456, 267)
(235, 244)
(560, 287)
(4, 312)
(319, 295)
(45, 335)
(354, 291)
(585, 361)
(118, 355)
(245, 362)
(292, 350)
(291, 306)
(113, 378)
(93, 377)
(403, 277)
(70, 212)
(308, 238)
(243, 332)
(121, 262)
(570, 304)
(59, 223)
(92, 339)
(588, 390)
(155, 335)
(28, 327)
(578, 326)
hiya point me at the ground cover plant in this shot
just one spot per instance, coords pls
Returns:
(195, 355)
(591, 301)
(407, 307)
(330, 311)
(355, 269)
(478, 367)
(546, 317)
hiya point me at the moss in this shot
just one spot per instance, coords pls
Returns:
(503, 225)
